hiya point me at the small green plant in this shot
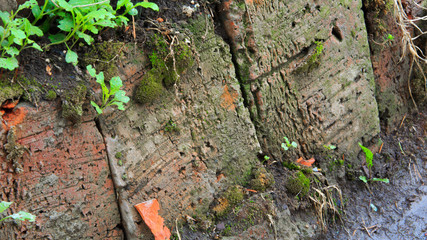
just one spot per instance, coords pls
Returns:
(171, 126)
(15, 36)
(20, 216)
(329, 147)
(287, 144)
(369, 162)
(119, 98)
(318, 51)
(266, 158)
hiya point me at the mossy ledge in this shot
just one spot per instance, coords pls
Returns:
(167, 66)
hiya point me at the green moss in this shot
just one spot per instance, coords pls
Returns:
(103, 55)
(149, 89)
(291, 166)
(9, 90)
(118, 155)
(298, 184)
(262, 179)
(169, 66)
(50, 95)
(230, 198)
(72, 103)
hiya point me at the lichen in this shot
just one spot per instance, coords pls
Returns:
(14, 150)
(72, 103)
(298, 184)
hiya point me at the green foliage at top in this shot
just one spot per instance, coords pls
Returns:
(15, 36)
(287, 144)
(76, 19)
(20, 216)
(119, 96)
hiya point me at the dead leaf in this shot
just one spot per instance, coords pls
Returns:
(308, 162)
(49, 70)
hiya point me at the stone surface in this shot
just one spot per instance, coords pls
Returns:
(65, 180)
(213, 145)
(7, 5)
(314, 100)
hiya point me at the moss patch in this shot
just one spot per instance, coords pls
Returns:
(50, 95)
(149, 89)
(72, 103)
(103, 56)
(262, 179)
(230, 198)
(298, 184)
(9, 90)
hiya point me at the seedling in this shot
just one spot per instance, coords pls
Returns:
(287, 144)
(369, 162)
(20, 216)
(119, 98)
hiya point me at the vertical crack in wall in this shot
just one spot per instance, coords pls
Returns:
(128, 224)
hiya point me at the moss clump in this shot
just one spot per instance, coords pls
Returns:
(298, 184)
(262, 179)
(233, 196)
(149, 89)
(72, 103)
(118, 155)
(9, 90)
(167, 65)
(50, 95)
(291, 166)
(103, 55)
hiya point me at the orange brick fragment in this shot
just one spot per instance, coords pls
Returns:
(149, 212)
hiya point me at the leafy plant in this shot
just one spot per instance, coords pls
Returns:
(287, 144)
(369, 162)
(76, 18)
(15, 36)
(119, 96)
(20, 216)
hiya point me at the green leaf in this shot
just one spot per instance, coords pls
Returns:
(27, 4)
(368, 154)
(115, 85)
(57, 38)
(36, 11)
(122, 3)
(36, 46)
(286, 140)
(363, 178)
(133, 12)
(65, 5)
(66, 24)
(121, 20)
(121, 97)
(71, 57)
(100, 78)
(119, 105)
(148, 5)
(97, 108)
(106, 23)
(4, 206)
(384, 180)
(93, 29)
(12, 51)
(17, 33)
(22, 216)
(35, 30)
(15, 40)
(88, 39)
(91, 70)
(285, 147)
(294, 144)
(9, 63)
(5, 17)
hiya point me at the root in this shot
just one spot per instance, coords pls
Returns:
(324, 202)
(406, 23)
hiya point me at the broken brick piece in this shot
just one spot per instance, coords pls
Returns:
(149, 213)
